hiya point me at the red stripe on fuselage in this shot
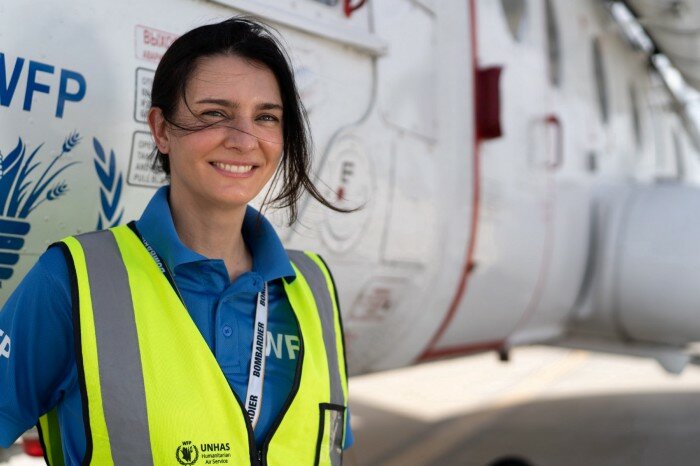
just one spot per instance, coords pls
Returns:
(430, 350)
(463, 350)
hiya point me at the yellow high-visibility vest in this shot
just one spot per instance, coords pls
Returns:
(153, 392)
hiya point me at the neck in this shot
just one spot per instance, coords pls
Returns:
(211, 231)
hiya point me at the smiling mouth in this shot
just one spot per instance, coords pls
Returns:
(233, 168)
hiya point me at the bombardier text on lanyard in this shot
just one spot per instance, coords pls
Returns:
(253, 398)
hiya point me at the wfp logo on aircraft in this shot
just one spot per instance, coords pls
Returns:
(24, 186)
(111, 183)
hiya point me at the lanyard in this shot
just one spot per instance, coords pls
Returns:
(253, 398)
(160, 263)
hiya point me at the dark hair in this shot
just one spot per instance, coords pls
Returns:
(250, 40)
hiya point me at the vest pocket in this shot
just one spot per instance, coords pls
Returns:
(329, 445)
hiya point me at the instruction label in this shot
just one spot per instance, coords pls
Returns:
(141, 172)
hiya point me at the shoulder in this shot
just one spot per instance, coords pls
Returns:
(49, 274)
(312, 266)
(44, 292)
(53, 261)
(302, 256)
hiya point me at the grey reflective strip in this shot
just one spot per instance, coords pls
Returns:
(319, 288)
(121, 375)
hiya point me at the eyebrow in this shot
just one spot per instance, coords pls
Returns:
(228, 103)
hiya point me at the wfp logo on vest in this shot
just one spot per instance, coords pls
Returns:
(187, 453)
(212, 453)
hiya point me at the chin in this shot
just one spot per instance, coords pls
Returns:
(231, 202)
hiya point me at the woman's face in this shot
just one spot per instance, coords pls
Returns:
(227, 164)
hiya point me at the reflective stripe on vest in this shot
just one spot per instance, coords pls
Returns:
(319, 288)
(154, 393)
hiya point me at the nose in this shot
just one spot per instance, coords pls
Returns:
(240, 137)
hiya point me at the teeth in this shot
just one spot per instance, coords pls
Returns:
(234, 168)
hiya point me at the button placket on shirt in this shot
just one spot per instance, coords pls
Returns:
(232, 340)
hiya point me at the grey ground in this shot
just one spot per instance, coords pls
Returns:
(551, 406)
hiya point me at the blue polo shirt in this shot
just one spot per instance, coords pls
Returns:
(40, 371)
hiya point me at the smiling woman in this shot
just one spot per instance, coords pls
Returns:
(193, 89)
(171, 315)
(223, 144)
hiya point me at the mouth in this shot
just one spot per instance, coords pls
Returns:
(231, 168)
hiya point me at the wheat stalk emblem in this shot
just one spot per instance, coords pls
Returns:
(20, 195)
(22, 191)
(111, 183)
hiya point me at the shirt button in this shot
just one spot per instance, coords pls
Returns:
(227, 331)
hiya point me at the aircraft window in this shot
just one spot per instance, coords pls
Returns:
(553, 44)
(328, 2)
(636, 117)
(600, 81)
(514, 11)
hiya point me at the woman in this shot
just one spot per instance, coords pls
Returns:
(163, 359)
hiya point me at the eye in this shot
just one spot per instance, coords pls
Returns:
(268, 118)
(214, 113)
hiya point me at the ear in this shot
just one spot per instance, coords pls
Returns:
(159, 129)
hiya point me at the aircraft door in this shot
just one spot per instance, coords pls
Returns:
(561, 146)
(515, 180)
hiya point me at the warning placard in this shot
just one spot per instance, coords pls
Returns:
(152, 43)
(142, 100)
(141, 172)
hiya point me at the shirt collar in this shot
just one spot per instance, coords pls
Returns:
(270, 260)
